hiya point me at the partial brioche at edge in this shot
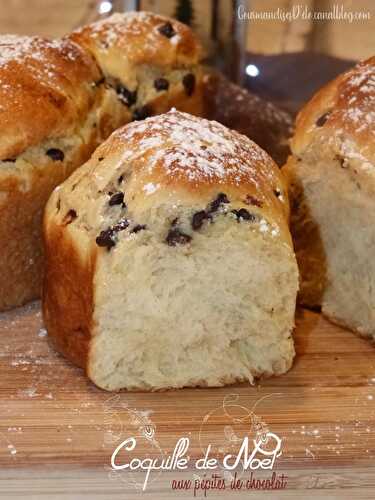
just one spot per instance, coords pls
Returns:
(56, 107)
(48, 105)
(332, 188)
(169, 262)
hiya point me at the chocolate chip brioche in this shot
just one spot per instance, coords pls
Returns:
(150, 61)
(59, 100)
(331, 175)
(169, 263)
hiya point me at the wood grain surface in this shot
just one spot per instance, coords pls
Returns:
(53, 419)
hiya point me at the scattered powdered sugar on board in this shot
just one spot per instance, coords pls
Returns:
(28, 392)
(12, 449)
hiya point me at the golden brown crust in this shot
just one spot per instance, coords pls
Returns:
(46, 90)
(343, 110)
(68, 286)
(134, 39)
(190, 171)
(185, 166)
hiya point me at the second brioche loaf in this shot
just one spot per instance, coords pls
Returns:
(52, 118)
(150, 61)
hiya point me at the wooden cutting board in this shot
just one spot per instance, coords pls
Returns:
(323, 409)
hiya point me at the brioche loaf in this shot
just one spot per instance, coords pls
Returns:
(169, 263)
(59, 100)
(332, 186)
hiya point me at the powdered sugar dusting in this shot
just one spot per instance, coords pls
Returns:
(359, 90)
(196, 150)
(14, 48)
(353, 117)
(120, 29)
(37, 55)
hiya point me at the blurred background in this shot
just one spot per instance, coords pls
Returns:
(283, 59)
(354, 40)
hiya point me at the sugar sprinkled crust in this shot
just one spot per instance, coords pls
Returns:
(342, 113)
(212, 153)
(44, 90)
(139, 38)
(158, 154)
(16, 48)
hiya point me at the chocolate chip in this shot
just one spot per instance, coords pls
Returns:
(55, 154)
(69, 217)
(99, 82)
(141, 113)
(198, 219)
(120, 179)
(161, 84)
(138, 227)
(105, 239)
(251, 200)
(108, 237)
(167, 30)
(116, 199)
(176, 237)
(188, 82)
(244, 214)
(322, 119)
(11, 160)
(342, 161)
(277, 192)
(126, 96)
(220, 199)
(101, 158)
